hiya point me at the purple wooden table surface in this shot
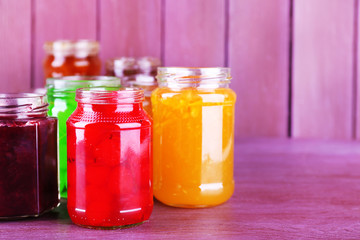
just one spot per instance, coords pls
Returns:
(285, 189)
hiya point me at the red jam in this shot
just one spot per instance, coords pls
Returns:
(28, 159)
(109, 159)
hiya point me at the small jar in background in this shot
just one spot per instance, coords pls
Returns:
(148, 84)
(68, 58)
(193, 114)
(59, 60)
(28, 159)
(125, 68)
(61, 95)
(148, 65)
(136, 73)
(87, 61)
(109, 138)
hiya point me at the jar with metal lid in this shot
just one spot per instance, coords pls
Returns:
(109, 140)
(67, 58)
(61, 95)
(193, 114)
(28, 159)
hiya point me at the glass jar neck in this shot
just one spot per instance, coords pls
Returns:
(204, 78)
(66, 86)
(110, 96)
(24, 105)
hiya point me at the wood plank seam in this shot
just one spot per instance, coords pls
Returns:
(355, 70)
(162, 31)
(226, 33)
(290, 94)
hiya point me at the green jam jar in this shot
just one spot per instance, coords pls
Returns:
(61, 97)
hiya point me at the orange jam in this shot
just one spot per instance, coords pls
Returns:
(193, 138)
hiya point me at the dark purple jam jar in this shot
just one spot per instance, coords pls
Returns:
(28, 156)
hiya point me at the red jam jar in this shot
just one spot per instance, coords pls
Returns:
(28, 159)
(109, 149)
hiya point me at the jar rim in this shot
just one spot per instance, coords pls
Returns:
(109, 95)
(194, 76)
(71, 83)
(23, 105)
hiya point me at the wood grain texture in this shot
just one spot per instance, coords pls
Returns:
(194, 34)
(285, 189)
(357, 72)
(15, 45)
(54, 20)
(259, 58)
(322, 69)
(130, 28)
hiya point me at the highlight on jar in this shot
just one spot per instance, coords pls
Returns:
(61, 96)
(28, 159)
(109, 150)
(133, 72)
(193, 143)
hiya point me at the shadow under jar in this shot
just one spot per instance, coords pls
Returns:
(193, 114)
(61, 96)
(28, 159)
(109, 139)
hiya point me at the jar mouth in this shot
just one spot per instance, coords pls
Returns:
(69, 84)
(23, 105)
(109, 95)
(194, 76)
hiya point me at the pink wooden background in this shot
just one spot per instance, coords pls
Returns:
(294, 63)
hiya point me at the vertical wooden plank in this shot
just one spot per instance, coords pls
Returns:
(194, 33)
(130, 28)
(322, 69)
(357, 70)
(15, 45)
(66, 19)
(259, 58)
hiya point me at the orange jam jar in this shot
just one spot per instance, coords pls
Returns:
(193, 138)
(87, 61)
(67, 58)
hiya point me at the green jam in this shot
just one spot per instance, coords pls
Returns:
(61, 97)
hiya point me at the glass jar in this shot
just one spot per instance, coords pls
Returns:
(109, 159)
(59, 60)
(67, 58)
(87, 61)
(28, 159)
(193, 114)
(148, 65)
(146, 79)
(148, 84)
(61, 96)
(123, 67)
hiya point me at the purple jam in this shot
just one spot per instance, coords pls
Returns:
(28, 166)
